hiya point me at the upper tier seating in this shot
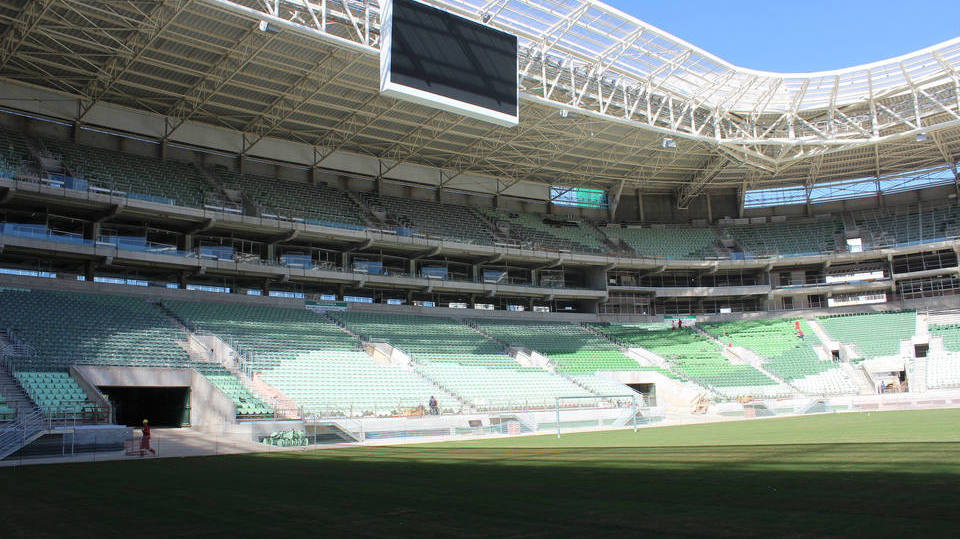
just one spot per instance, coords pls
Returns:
(888, 230)
(671, 243)
(65, 329)
(155, 180)
(532, 233)
(874, 334)
(463, 361)
(449, 221)
(788, 239)
(14, 153)
(697, 358)
(572, 348)
(309, 358)
(786, 355)
(316, 204)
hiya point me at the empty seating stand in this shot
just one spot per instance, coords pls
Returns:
(785, 354)
(66, 328)
(133, 176)
(788, 239)
(317, 204)
(873, 334)
(14, 154)
(310, 359)
(434, 219)
(697, 358)
(464, 362)
(533, 233)
(885, 229)
(671, 243)
(572, 348)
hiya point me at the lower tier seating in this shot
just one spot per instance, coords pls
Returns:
(66, 328)
(698, 359)
(943, 371)
(56, 393)
(785, 354)
(950, 334)
(505, 388)
(874, 334)
(350, 383)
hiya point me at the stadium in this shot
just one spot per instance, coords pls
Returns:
(463, 268)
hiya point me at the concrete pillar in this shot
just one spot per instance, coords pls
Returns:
(265, 290)
(640, 214)
(709, 209)
(182, 280)
(163, 149)
(476, 273)
(186, 242)
(315, 175)
(88, 271)
(271, 252)
(345, 261)
(413, 267)
(91, 231)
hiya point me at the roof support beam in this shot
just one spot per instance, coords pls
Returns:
(700, 180)
(26, 21)
(232, 63)
(152, 26)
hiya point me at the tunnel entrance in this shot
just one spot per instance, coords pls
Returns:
(163, 406)
(649, 392)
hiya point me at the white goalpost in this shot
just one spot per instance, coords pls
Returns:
(635, 399)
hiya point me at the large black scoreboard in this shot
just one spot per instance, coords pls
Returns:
(441, 60)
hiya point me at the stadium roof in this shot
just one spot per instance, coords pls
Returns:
(311, 75)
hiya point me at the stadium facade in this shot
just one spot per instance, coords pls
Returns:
(242, 152)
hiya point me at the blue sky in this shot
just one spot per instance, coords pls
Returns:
(802, 35)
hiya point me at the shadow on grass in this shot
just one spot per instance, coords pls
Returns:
(813, 490)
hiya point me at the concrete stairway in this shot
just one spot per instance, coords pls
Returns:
(14, 395)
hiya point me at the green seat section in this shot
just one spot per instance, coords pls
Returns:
(55, 392)
(673, 242)
(317, 204)
(785, 354)
(533, 233)
(433, 219)
(950, 334)
(309, 358)
(943, 370)
(66, 328)
(697, 358)
(874, 334)
(886, 229)
(155, 180)
(788, 239)
(572, 348)
(14, 154)
(463, 361)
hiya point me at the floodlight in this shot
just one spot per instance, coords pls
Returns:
(668, 143)
(922, 137)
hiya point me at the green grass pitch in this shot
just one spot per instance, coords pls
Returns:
(890, 474)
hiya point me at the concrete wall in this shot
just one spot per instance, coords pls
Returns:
(210, 409)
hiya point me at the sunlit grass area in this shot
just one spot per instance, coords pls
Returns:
(878, 474)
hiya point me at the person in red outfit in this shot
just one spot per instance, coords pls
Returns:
(145, 440)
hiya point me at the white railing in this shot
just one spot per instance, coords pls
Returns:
(15, 435)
